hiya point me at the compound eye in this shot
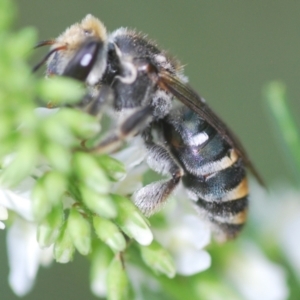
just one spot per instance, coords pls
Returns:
(83, 61)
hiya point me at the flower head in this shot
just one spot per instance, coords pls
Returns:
(185, 236)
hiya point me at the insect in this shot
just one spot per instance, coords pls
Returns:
(184, 138)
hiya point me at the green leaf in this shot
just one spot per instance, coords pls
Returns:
(158, 259)
(275, 95)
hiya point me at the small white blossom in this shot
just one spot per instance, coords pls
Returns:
(98, 282)
(132, 158)
(133, 155)
(3, 216)
(18, 199)
(140, 281)
(24, 255)
(45, 112)
(255, 277)
(281, 225)
(185, 236)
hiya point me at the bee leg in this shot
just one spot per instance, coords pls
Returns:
(152, 197)
(130, 127)
(96, 105)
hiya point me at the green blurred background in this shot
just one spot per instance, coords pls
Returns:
(230, 50)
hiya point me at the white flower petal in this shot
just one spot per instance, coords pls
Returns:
(23, 255)
(189, 261)
(46, 256)
(18, 199)
(283, 223)
(45, 112)
(186, 231)
(256, 277)
(131, 183)
(132, 155)
(2, 225)
(289, 239)
(98, 284)
(185, 236)
(139, 231)
(3, 213)
(199, 231)
(139, 280)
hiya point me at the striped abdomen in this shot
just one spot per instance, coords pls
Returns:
(214, 175)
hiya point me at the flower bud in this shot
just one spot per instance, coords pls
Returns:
(100, 259)
(80, 231)
(60, 90)
(132, 222)
(64, 248)
(114, 168)
(58, 157)
(80, 123)
(90, 173)
(158, 259)
(117, 281)
(109, 233)
(22, 162)
(49, 229)
(55, 185)
(97, 203)
(41, 204)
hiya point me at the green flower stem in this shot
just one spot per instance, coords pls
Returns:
(275, 95)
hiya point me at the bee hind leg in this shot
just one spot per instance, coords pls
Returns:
(153, 196)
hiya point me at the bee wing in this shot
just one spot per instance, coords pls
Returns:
(185, 94)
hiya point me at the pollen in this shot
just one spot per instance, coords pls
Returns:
(76, 34)
(94, 26)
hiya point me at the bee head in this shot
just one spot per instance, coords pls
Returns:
(73, 47)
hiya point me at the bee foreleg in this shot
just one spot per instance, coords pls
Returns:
(130, 127)
(98, 103)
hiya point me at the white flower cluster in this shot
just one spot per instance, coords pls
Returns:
(276, 215)
(184, 235)
(24, 252)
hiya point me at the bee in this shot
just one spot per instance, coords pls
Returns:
(184, 138)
